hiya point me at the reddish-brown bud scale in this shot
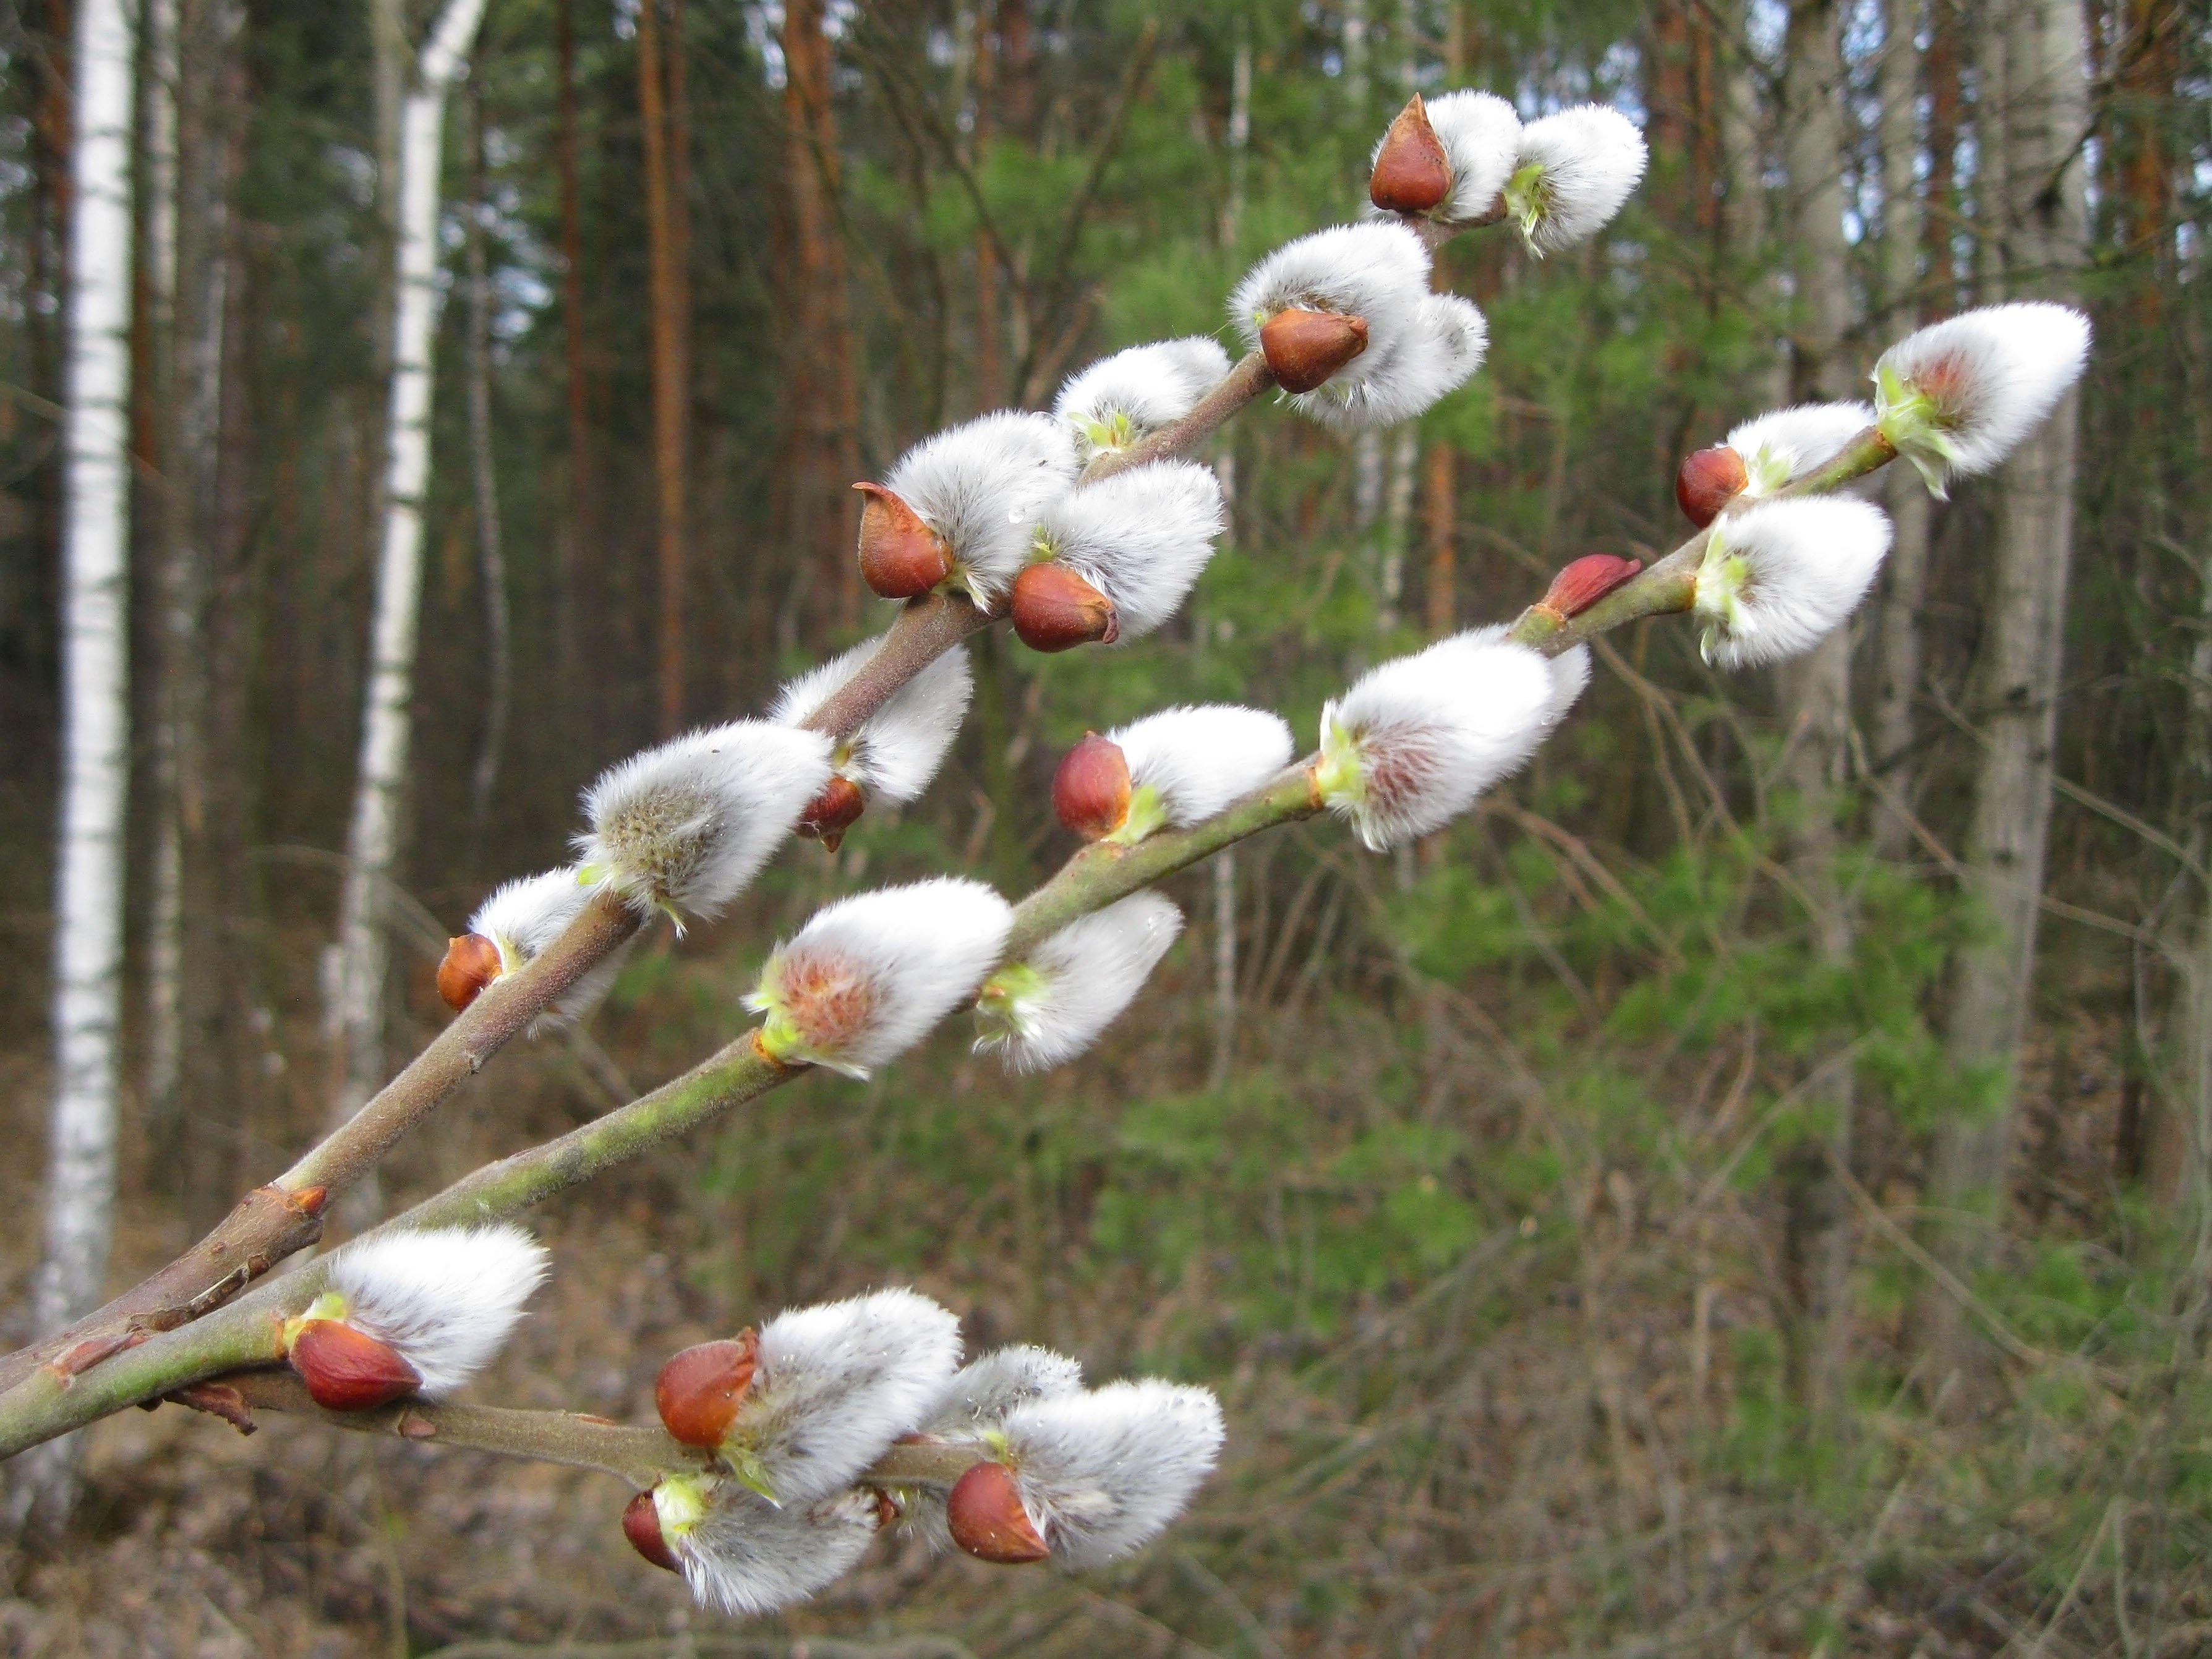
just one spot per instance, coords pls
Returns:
(471, 962)
(1708, 480)
(1055, 610)
(1091, 791)
(1304, 348)
(901, 556)
(832, 813)
(1412, 172)
(984, 1511)
(349, 1370)
(701, 1388)
(641, 1526)
(1587, 580)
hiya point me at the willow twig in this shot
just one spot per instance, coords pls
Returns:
(573, 1440)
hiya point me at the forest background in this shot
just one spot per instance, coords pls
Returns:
(1579, 1215)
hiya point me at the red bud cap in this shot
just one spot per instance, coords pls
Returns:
(1091, 791)
(701, 1388)
(641, 1526)
(1412, 172)
(1708, 480)
(985, 1512)
(1587, 580)
(471, 962)
(832, 813)
(901, 556)
(1304, 348)
(349, 1370)
(1055, 610)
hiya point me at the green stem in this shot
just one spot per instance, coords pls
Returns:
(1671, 585)
(47, 1403)
(1103, 872)
(642, 1457)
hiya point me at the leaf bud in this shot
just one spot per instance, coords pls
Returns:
(1055, 610)
(1587, 580)
(1708, 480)
(831, 813)
(985, 1513)
(901, 556)
(348, 1369)
(1412, 172)
(1304, 348)
(701, 1388)
(641, 1524)
(1091, 792)
(471, 962)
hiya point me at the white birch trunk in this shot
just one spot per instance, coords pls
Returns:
(354, 974)
(96, 708)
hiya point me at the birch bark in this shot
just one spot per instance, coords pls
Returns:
(355, 972)
(88, 958)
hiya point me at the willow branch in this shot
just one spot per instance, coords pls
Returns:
(1670, 586)
(272, 1222)
(573, 1440)
(87, 1384)
(1246, 380)
(926, 628)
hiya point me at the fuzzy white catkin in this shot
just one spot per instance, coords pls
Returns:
(1377, 271)
(685, 826)
(1435, 357)
(1590, 158)
(1779, 577)
(834, 1385)
(1418, 739)
(1787, 443)
(748, 1556)
(867, 977)
(1197, 760)
(445, 1297)
(1079, 982)
(985, 1389)
(1993, 375)
(1570, 672)
(974, 1403)
(1102, 1474)
(1141, 537)
(1480, 133)
(897, 751)
(525, 915)
(1137, 391)
(981, 486)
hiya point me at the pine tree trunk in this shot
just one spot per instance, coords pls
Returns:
(79, 1193)
(355, 972)
(671, 377)
(1817, 1231)
(185, 950)
(1904, 579)
(491, 557)
(582, 538)
(824, 403)
(2032, 205)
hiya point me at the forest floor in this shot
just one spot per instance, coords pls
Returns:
(1550, 1437)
